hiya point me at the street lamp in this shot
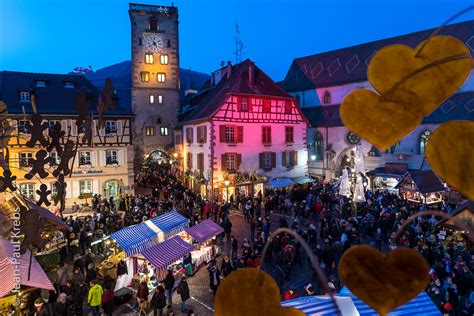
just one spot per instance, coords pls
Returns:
(175, 155)
(226, 183)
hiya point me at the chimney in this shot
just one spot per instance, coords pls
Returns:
(229, 69)
(251, 75)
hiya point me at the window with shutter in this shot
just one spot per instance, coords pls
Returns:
(273, 159)
(200, 162)
(267, 106)
(189, 135)
(266, 135)
(240, 134)
(294, 160)
(189, 160)
(260, 160)
(223, 162)
(201, 131)
(222, 133)
(238, 161)
(266, 162)
(289, 134)
(230, 134)
(244, 106)
(288, 107)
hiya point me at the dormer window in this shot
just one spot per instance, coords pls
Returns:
(25, 96)
(68, 84)
(327, 97)
(153, 24)
(41, 84)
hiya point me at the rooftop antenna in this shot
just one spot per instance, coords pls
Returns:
(239, 45)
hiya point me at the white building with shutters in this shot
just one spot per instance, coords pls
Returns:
(105, 168)
(243, 133)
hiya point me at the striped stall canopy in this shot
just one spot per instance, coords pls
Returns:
(322, 305)
(167, 252)
(134, 239)
(204, 230)
(420, 305)
(170, 223)
(11, 267)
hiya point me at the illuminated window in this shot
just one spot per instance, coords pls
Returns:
(148, 58)
(160, 99)
(22, 127)
(145, 76)
(28, 190)
(189, 160)
(41, 83)
(423, 140)
(85, 187)
(164, 131)
(150, 131)
(153, 24)
(327, 97)
(85, 158)
(25, 160)
(164, 59)
(161, 77)
(54, 190)
(230, 134)
(152, 99)
(289, 134)
(68, 85)
(266, 134)
(25, 96)
(231, 162)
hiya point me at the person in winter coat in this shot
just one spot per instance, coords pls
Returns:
(158, 301)
(42, 308)
(214, 278)
(78, 296)
(169, 285)
(62, 275)
(108, 301)
(142, 297)
(183, 290)
(61, 306)
(94, 298)
(226, 266)
(289, 295)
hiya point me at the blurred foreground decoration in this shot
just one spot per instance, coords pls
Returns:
(384, 282)
(450, 152)
(409, 84)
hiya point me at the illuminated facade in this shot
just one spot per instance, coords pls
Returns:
(104, 168)
(243, 131)
(320, 82)
(155, 76)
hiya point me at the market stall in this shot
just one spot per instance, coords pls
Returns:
(14, 283)
(421, 186)
(388, 176)
(203, 234)
(463, 215)
(279, 183)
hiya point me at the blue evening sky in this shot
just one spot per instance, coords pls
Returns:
(57, 35)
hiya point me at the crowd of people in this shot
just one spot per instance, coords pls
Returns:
(325, 220)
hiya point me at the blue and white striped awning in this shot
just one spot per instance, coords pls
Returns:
(167, 252)
(322, 305)
(170, 223)
(134, 239)
(420, 305)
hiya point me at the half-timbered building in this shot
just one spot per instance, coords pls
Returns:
(244, 131)
(103, 167)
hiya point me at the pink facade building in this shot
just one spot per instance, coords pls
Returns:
(240, 132)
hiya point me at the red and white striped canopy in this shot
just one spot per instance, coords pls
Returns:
(11, 267)
(167, 252)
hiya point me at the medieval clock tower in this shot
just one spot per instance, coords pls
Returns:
(155, 76)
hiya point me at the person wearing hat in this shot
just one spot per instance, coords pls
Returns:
(94, 298)
(183, 290)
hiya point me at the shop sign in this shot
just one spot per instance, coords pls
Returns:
(88, 171)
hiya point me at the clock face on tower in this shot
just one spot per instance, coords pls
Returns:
(154, 43)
